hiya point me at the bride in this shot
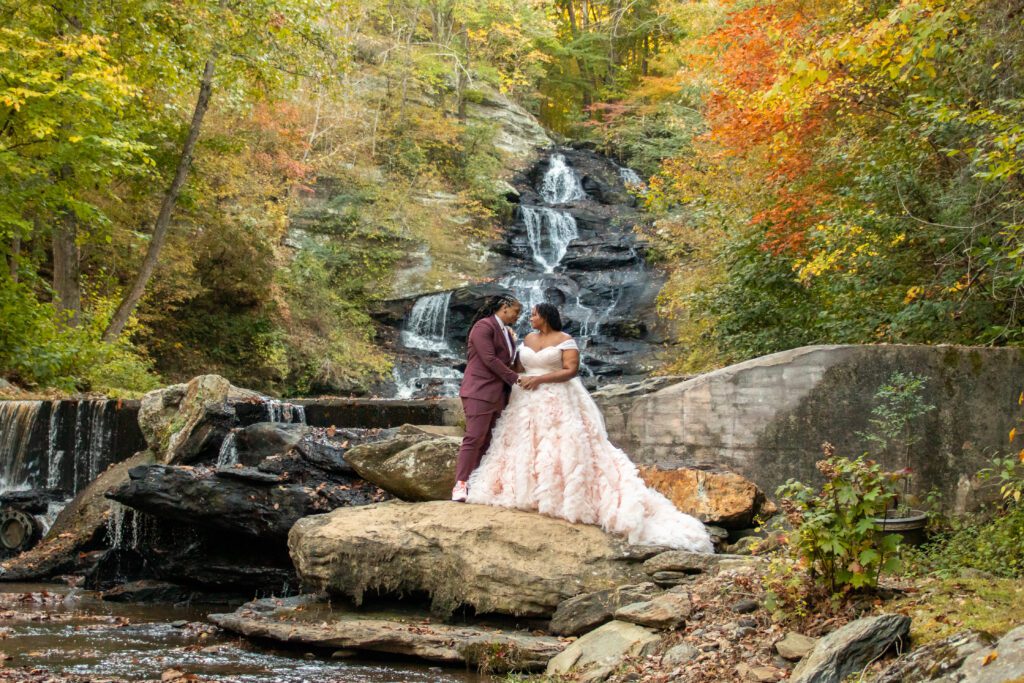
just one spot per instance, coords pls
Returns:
(550, 452)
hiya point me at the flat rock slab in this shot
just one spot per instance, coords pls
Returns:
(494, 559)
(666, 611)
(686, 562)
(313, 622)
(939, 660)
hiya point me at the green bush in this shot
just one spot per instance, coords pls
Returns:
(835, 535)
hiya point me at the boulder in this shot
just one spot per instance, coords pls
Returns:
(78, 527)
(413, 466)
(1001, 663)
(490, 558)
(795, 646)
(184, 423)
(311, 621)
(586, 612)
(603, 649)
(666, 611)
(850, 648)
(243, 501)
(261, 440)
(940, 660)
(721, 498)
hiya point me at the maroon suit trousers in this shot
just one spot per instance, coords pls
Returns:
(480, 419)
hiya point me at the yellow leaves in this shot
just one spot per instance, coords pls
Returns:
(913, 294)
(1013, 434)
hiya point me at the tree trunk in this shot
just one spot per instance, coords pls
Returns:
(163, 221)
(15, 255)
(67, 263)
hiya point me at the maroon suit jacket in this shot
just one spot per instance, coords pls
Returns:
(488, 375)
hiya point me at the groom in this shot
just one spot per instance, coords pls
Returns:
(485, 386)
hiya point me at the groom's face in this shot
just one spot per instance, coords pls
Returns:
(509, 314)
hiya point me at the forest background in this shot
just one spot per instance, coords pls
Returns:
(818, 172)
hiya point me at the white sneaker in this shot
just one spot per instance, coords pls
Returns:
(461, 492)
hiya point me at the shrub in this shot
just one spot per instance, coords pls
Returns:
(835, 536)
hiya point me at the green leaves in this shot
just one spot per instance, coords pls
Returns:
(835, 532)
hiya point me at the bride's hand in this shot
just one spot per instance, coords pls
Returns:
(529, 383)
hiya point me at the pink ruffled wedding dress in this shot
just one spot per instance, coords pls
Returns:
(550, 453)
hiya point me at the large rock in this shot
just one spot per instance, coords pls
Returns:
(413, 466)
(586, 612)
(603, 649)
(721, 498)
(939, 660)
(308, 621)
(79, 527)
(259, 441)
(243, 501)
(493, 559)
(1003, 663)
(850, 648)
(185, 423)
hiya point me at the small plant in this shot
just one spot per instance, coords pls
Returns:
(898, 403)
(835, 535)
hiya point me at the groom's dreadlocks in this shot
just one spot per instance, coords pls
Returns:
(491, 306)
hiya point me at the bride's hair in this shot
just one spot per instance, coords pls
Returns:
(551, 315)
(491, 306)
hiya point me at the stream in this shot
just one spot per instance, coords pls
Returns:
(69, 631)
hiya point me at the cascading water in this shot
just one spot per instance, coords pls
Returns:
(571, 247)
(630, 177)
(560, 184)
(549, 232)
(18, 421)
(427, 324)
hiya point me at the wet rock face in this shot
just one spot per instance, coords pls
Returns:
(237, 501)
(571, 242)
(226, 527)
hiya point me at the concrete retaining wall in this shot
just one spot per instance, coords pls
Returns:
(766, 418)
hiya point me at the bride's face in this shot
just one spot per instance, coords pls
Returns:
(536, 322)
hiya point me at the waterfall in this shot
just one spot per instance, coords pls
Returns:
(409, 380)
(560, 184)
(282, 411)
(549, 233)
(17, 422)
(428, 324)
(54, 454)
(630, 177)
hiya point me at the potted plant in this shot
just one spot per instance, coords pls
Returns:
(898, 404)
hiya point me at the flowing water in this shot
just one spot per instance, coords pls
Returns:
(73, 632)
(560, 184)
